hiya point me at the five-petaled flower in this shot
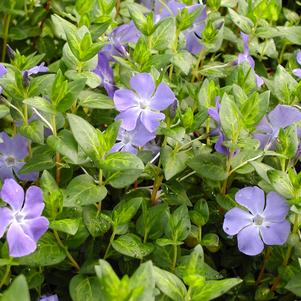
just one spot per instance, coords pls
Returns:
(12, 152)
(144, 104)
(23, 220)
(264, 222)
(268, 129)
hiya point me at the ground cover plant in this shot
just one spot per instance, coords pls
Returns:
(149, 150)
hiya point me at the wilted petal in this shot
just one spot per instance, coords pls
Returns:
(19, 243)
(13, 194)
(235, 220)
(163, 98)
(251, 198)
(151, 120)
(129, 118)
(275, 233)
(283, 116)
(249, 241)
(125, 99)
(33, 205)
(143, 84)
(5, 218)
(297, 72)
(276, 208)
(35, 227)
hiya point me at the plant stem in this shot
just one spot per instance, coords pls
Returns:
(57, 154)
(157, 185)
(5, 276)
(110, 243)
(265, 260)
(187, 176)
(5, 35)
(175, 255)
(70, 257)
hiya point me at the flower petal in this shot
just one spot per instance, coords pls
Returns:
(143, 84)
(33, 205)
(35, 227)
(6, 172)
(129, 118)
(116, 147)
(3, 70)
(13, 194)
(249, 241)
(235, 220)
(276, 208)
(128, 148)
(297, 72)
(298, 57)
(163, 98)
(275, 233)
(125, 99)
(151, 120)
(5, 218)
(19, 243)
(32, 176)
(251, 198)
(283, 116)
(142, 135)
(14, 146)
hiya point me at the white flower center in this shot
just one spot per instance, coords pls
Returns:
(18, 217)
(258, 220)
(10, 161)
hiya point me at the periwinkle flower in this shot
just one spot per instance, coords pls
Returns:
(105, 72)
(130, 140)
(263, 223)
(23, 220)
(12, 152)
(268, 128)
(49, 298)
(118, 38)
(246, 57)
(143, 104)
(213, 112)
(297, 71)
(34, 70)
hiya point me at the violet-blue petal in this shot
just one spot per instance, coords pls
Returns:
(297, 72)
(283, 116)
(129, 118)
(19, 243)
(163, 98)
(219, 146)
(6, 216)
(245, 39)
(202, 14)
(298, 57)
(143, 84)
(127, 33)
(275, 233)
(15, 146)
(31, 176)
(264, 126)
(249, 241)
(213, 113)
(151, 120)
(259, 81)
(3, 70)
(142, 135)
(125, 99)
(6, 172)
(13, 194)
(129, 148)
(33, 205)
(264, 139)
(37, 69)
(252, 198)
(245, 57)
(276, 208)
(35, 227)
(116, 147)
(49, 298)
(235, 220)
(193, 42)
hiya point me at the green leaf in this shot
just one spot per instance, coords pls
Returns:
(210, 240)
(34, 131)
(183, 60)
(213, 289)
(164, 34)
(4, 110)
(82, 191)
(121, 169)
(244, 23)
(281, 183)
(40, 104)
(95, 100)
(294, 285)
(47, 253)
(211, 166)
(170, 285)
(68, 225)
(18, 288)
(200, 213)
(97, 223)
(86, 136)
(84, 288)
(131, 245)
